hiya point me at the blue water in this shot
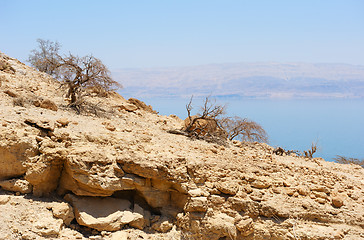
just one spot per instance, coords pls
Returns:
(335, 125)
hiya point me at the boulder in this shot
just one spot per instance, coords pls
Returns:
(103, 214)
(221, 225)
(63, 211)
(14, 153)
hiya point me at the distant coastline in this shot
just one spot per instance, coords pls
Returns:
(247, 81)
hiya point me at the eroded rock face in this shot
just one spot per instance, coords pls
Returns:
(16, 185)
(14, 153)
(120, 168)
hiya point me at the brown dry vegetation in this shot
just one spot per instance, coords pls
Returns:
(75, 73)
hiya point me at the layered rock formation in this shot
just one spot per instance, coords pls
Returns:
(113, 171)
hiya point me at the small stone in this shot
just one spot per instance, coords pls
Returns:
(227, 187)
(303, 190)
(63, 211)
(63, 122)
(11, 93)
(337, 201)
(4, 199)
(119, 235)
(261, 183)
(163, 225)
(109, 126)
(245, 227)
(290, 191)
(48, 104)
(197, 204)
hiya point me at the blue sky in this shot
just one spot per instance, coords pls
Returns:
(181, 33)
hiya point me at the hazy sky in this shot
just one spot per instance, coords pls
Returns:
(149, 33)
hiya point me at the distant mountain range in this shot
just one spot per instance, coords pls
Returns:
(246, 80)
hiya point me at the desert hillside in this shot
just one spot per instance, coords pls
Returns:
(112, 171)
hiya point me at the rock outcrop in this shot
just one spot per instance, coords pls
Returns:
(113, 171)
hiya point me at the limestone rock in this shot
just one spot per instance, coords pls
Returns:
(47, 229)
(337, 201)
(63, 122)
(119, 235)
(48, 104)
(14, 154)
(63, 211)
(245, 226)
(221, 225)
(103, 214)
(4, 199)
(162, 225)
(197, 204)
(16, 185)
(261, 183)
(127, 107)
(91, 172)
(227, 187)
(44, 174)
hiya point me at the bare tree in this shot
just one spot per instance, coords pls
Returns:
(211, 123)
(206, 122)
(46, 57)
(76, 73)
(243, 128)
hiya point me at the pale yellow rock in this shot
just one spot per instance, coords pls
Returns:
(119, 235)
(63, 121)
(14, 154)
(197, 204)
(16, 185)
(104, 214)
(4, 199)
(162, 225)
(245, 226)
(63, 211)
(48, 104)
(261, 183)
(222, 225)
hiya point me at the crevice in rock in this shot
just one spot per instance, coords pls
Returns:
(134, 197)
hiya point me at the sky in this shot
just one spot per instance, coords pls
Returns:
(146, 33)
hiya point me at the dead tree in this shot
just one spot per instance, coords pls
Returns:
(244, 129)
(206, 122)
(75, 73)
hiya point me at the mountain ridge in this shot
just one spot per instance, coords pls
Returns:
(247, 80)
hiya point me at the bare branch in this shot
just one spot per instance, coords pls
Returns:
(77, 73)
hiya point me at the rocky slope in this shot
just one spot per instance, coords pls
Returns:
(114, 172)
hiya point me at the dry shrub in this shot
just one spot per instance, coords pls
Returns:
(309, 153)
(347, 160)
(210, 124)
(244, 129)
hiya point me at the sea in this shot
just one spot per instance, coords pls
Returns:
(336, 126)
